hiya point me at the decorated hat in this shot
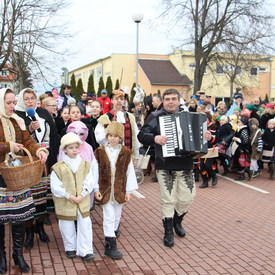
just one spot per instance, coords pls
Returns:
(270, 106)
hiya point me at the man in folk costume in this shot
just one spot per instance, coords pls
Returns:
(116, 178)
(126, 118)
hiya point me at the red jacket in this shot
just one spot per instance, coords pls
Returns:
(106, 104)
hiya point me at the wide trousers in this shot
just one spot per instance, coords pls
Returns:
(80, 240)
(111, 218)
(177, 191)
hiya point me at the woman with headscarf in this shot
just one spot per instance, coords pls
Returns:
(43, 130)
(15, 206)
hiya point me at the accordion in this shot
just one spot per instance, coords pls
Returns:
(185, 134)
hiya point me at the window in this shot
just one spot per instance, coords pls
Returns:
(219, 69)
(4, 72)
(254, 71)
(91, 72)
(262, 70)
(192, 66)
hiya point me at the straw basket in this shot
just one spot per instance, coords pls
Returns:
(23, 176)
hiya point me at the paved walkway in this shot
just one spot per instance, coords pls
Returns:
(230, 230)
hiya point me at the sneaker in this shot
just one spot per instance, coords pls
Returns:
(88, 257)
(256, 174)
(71, 254)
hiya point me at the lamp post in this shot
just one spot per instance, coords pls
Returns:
(137, 17)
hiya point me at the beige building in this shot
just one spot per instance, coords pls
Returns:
(256, 75)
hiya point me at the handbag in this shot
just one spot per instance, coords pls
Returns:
(144, 160)
(267, 155)
(234, 147)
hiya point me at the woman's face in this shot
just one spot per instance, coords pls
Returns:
(30, 100)
(9, 102)
(96, 109)
(51, 106)
(192, 104)
(65, 114)
(75, 113)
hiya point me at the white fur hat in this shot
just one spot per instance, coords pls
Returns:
(68, 139)
(115, 128)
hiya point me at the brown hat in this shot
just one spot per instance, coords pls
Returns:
(115, 128)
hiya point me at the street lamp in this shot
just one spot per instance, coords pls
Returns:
(137, 17)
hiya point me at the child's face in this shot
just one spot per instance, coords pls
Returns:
(271, 125)
(75, 114)
(96, 108)
(72, 150)
(254, 126)
(113, 140)
(65, 115)
(222, 121)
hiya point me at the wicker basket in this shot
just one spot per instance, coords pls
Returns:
(23, 176)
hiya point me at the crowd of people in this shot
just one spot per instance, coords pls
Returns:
(89, 149)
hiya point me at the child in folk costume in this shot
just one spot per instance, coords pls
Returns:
(71, 184)
(269, 146)
(257, 146)
(117, 180)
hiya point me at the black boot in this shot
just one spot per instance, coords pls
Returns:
(117, 232)
(3, 260)
(18, 232)
(249, 172)
(214, 180)
(39, 229)
(197, 174)
(225, 170)
(178, 226)
(241, 177)
(111, 248)
(29, 237)
(204, 184)
(168, 232)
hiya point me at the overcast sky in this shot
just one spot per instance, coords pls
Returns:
(106, 26)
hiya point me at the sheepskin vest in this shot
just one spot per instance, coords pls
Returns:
(112, 185)
(72, 182)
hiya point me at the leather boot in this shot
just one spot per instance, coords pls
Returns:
(179, 230)
(272, 171)
(204, 184)
(111, 248)
(249, 172)
(3, 260)
(18, 232)
(214, 180)
(168, 232)
(29, 237)
(39, 229)
(117, 232)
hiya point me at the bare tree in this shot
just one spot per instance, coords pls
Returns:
(212, 26)
(30, 32)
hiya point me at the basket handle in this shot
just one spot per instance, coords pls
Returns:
(27, 152)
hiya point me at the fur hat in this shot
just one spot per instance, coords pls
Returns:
(68, 139)
(254, 121)
(115, 128)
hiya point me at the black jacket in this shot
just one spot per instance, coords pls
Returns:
(147, 135)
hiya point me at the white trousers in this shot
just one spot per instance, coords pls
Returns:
(111, 218)
(81, 239)
(254, 165)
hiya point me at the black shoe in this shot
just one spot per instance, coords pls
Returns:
(71, 254)
(47, 221)
(177, 222)
(154, 179)
(39, 229)
(18, 233)
(29, 237)
(214, 180)
(168, 232)
(111, 249)
(241, 177)
(204, 184)
(88, 257)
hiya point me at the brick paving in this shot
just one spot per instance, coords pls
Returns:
(230, 230)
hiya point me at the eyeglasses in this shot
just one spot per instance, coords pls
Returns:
(51, 105)
(29, 99)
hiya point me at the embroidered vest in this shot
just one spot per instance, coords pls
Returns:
(112, 186)
(72, 182)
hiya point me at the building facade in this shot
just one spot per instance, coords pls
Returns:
(255, 74)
